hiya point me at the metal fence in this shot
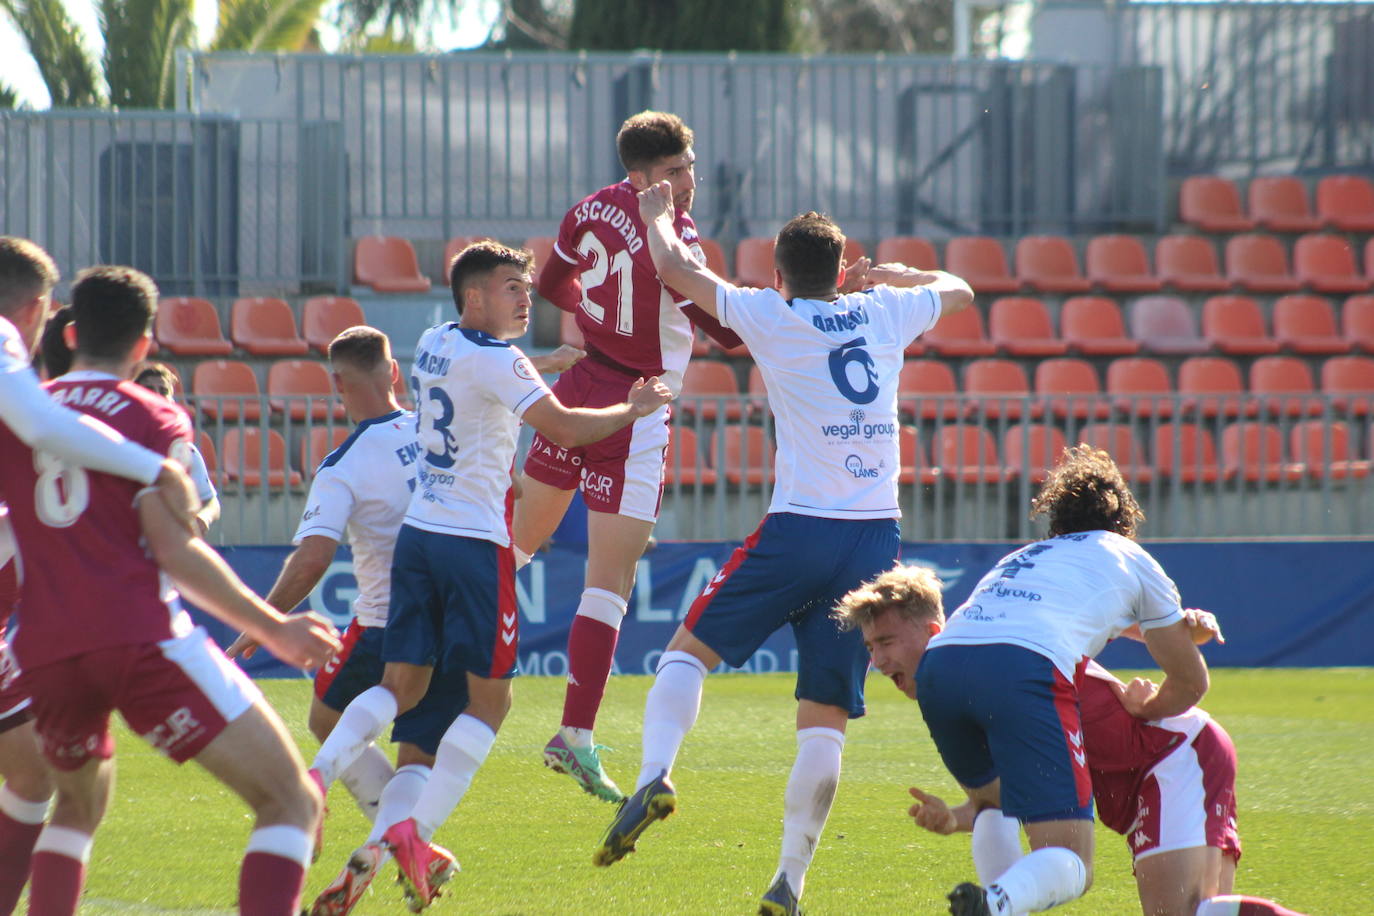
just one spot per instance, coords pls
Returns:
(208, 205)
(440, 146)
(969, 466)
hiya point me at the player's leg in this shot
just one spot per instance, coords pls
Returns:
(356, 667)
(24, 796)
(63, 849)
(539, 511)
(1173, 883)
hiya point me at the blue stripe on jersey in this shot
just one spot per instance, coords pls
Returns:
(483, 339)
(333, 457)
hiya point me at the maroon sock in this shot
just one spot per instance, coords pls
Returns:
(16, 850)
(56, 884)
(591, 650)
(1254, 906)
(270, 885)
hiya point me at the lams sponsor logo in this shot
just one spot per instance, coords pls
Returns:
(855, 465)
(857, 428)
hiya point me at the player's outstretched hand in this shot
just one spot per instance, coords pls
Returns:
(856, 275)
(649, 395)
(655, 201)
(899, 275)
(1137, 693)
(565, 357)
(303, 640)
(243, 647)
(931, 812)
(178, 494)
(1203, 626)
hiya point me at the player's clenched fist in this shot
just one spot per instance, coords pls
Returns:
(304, 640)
(656, 200)
(932, 813)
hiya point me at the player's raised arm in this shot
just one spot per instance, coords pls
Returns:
(299, 575)
(674, 262)
(1185, 675)
(954, 292)
(559, 283)
(565, 357)
(574, 426)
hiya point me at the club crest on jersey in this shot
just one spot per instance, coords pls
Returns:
(523, 369)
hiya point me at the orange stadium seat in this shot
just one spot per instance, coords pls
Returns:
(1212, 386)
(757, 391)
(1189, 263)
(241, 452)
(748, 455)
(1212, 204)
(926, 390)
(314, 447)
(754, 262)
(1093, 325)
(1257, 263)
(302, 387)
(387, 263)
(914, 463)
(1307, 324)
(206, 446)
(1253, 451)
(1119, 441)
(999, 388)
(683, 464)
(188, 326)
(1165, 324)
(1032, 449)
(1326, 263)
(323, 317)
(1070, 388)
(453, 247)
(1369, 258)
(1284, 386)
(1324, 449)
(966, 453)
(960, 334)
(1349, 382)
(1021, 326)
(265, 327)
(982, 262)
(1186, 453)
(853, 250)
(715, 383)
(1118, 263)
(226, 389)
(1140, 386)
(908, 250)
(715, 258)
(1279, 203)
(1235, 324)
(1346, 202)
(1357, 322)
(1048, 263)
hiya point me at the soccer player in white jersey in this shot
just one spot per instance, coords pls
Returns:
(453, 574)
(830, 362)
(996, 687)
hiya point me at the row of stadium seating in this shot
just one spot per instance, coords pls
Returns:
(1044, 263)
(1279, 203)
(963, 453)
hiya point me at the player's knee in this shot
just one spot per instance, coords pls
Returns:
(296, 801)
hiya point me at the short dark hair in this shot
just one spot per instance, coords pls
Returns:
(650, 136)
(54, 355)
(26, 271)
(481, 258)
(160, 371)
(808, 252)
(112, 308)
(362, 347)
(1086, 492)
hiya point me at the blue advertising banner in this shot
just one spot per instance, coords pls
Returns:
(1290, 604)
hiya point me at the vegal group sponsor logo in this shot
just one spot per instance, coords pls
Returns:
(857, 428)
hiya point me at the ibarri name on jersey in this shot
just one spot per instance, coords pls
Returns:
(841, 323)
(614, 217)
(102, 399)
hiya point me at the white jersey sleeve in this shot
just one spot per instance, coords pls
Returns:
(42, 424)
(1159, 604)
(200, 475)
(328, 506)
(509, 378)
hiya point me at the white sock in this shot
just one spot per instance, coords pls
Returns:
(806, 804)
(465, 746)
(290, 843)
(398, 798)
(996, 844)
(362, 723)
(602, 605)
(365, 779)
(20, 809)
(670, 711)
(65, 841)
(576, 737)
(1044, 878)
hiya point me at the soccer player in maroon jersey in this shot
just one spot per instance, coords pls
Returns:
(634, 327)
(89, 539)
(1167, 786)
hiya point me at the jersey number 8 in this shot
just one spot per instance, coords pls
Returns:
(61, 492)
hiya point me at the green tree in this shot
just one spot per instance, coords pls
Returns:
(702, 25)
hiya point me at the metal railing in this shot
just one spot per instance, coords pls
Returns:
(208, 205)
(979, 486)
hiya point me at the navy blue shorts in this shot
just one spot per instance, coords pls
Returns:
(452, 604)
(359, 666)
(794, 569)
(1001, 711)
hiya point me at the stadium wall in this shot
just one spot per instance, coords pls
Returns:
(1281, 603)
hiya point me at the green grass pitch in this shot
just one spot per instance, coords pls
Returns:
(525, 836)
